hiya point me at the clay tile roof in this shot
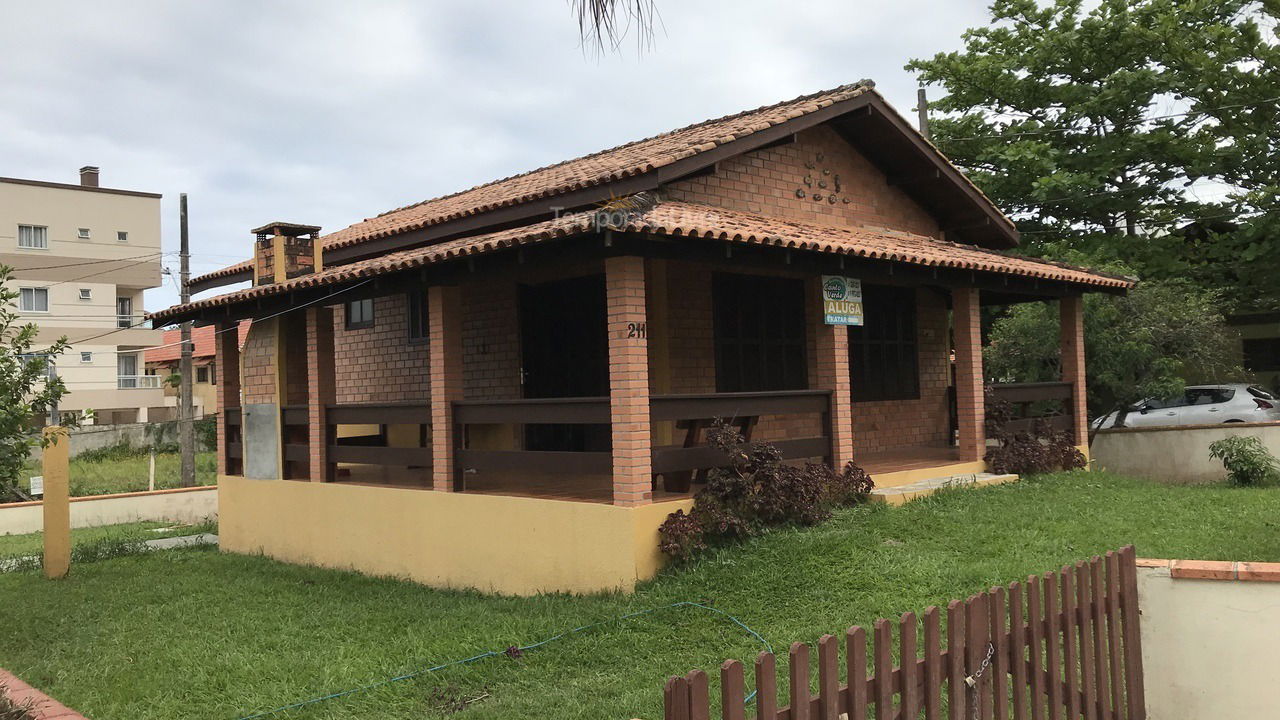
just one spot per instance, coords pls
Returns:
(680, 219)
(170, 348)
(598, 168)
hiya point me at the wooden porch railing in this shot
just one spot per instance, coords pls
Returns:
(1066, 642)
(1049, 402)
(736, 407)
(373, 449)
(532, 411)
(686, 409)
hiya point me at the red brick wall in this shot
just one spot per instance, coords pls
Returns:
(766, 182)
(899, 423)
(379, 364)
(491, 340)
(295, 358)
(258, 378)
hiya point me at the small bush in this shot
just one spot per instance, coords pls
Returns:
(755, 492)
(1246, 459)
(1040, 450)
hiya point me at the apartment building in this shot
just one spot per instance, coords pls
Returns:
(83, 255)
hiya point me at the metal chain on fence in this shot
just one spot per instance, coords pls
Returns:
(972, 680)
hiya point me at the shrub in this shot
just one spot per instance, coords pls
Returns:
(1040, 450)
(1246, 459)
(757, 491)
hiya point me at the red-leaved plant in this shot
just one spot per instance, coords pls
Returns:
(756, 491)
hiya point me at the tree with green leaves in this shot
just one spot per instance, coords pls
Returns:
(1104, 131)
(27, 391)
(1138, 346)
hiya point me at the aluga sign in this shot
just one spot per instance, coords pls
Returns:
(841, 300)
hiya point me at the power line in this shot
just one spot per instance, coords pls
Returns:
(157, 253)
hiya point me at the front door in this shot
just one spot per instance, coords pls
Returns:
(564, 353)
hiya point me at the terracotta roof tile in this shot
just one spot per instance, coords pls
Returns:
(681, 219)
(598, 168)
(170, 349)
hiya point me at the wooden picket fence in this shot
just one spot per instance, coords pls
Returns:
(1061, 645)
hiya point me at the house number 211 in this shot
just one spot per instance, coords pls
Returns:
(637, 330)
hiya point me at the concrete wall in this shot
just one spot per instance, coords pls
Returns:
(184, 505)
(1209, 645)
(509, 545)
(138, 435)
(1175, 454)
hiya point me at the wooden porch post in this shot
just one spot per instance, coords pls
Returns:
(629, 381)
(1071, 340)
(970, 405)
(320, 390)
(226, 355)
(444, 308)
(832, 365)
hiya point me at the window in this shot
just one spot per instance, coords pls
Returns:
(124, 312)
(883, 362)
(86, 293)
(84, 233)
(202, 374)
(418, 318)
(86, 357)
(127, 371)
(759, 330)
(34, 237)
(360, 314)
(122, 236)
(33, 299)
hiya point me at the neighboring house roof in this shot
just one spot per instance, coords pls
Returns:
(683, 219)
(202, 338)
(628, 161)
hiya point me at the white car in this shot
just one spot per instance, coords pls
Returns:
(1201, 405)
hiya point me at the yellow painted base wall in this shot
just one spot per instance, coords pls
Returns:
(508, 545)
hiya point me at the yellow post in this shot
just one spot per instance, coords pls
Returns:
(57, 503)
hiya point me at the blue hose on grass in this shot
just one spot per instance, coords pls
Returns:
(514, 650)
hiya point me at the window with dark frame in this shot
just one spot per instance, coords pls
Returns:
(759, 333)
(359, 314)
(418, 318)
(884, 361)
(202, 374)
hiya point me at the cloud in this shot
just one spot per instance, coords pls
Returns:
(330, 112)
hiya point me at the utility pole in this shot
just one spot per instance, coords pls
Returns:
(186, 409)
(922, 112)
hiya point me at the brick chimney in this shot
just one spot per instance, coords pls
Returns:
(285, 250)
(89, 176)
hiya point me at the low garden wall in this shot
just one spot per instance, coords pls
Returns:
(1209, 634)
(494, 543)
(138, 435)
(179, 505)
(1177, 454)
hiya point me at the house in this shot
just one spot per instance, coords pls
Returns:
(83, 255)
(165, 359)
(507, 388)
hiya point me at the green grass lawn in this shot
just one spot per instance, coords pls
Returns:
(198, 634)
(103, 473)
(33, 543)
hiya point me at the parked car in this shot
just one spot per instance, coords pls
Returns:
(1201, 405)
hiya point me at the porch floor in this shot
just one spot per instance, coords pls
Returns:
(576, 488)
(915, 457)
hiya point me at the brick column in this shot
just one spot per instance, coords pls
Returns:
(444, 308)
(1071, 341)
(970, 414)
(226, 354)
(832, 364)
(320, 390)
(629, 381)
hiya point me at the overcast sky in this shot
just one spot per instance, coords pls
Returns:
(325, 113)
